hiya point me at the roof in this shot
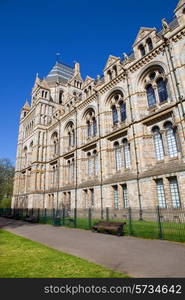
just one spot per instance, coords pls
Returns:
(60, 73)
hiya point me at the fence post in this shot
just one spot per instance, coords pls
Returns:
(107, 214)
(75, 217)
(159, 223)
(63, 216)
(90, 218)
(130, 231)
(38, 214)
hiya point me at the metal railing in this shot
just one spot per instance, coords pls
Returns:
(154, 223)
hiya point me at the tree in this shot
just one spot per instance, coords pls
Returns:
(6, 180)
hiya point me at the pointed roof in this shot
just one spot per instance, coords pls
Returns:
(26, 105)
(111, 60)
(88, 79)
(60, 73)
(143, 32)
(77, 74)
(179, 5)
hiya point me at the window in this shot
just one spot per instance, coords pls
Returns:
(71, 134)
(117, 156)
(158, 143)
(116, 198)
(88, 128)
(123, 111)
(171, 140)
(115, 115)
(160, 193)
(94, 127)
(90, 164)
(125, 196)
(91, 123)
(142, 50)
(149, 44)
(60, 97)
(174, 192)
(109, 75)
(150, 96)
(85, 198)
(95, 162)
(162, 91)
(126, 150)
(69, 139)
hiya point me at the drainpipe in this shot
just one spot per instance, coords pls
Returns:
(101, 169)
(135, 146)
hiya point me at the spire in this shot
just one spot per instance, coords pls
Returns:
(26, 105)
(77, 68)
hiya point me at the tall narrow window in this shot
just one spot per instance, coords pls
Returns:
(174, 192)
(115, 115)
(85, 198)
(149, 43)
(142, 50)
(90, 164)
(160, 193)
(95, 156)
(171, 140)
(116, 197)
(88, 128)
(73, 138)
(60, 97)
(123, 111)
(126, 150)
(73, 169)
(69, 139)
(162, 90)
(125, 196)
(158, 143)
(94, 127)
(118, 156)
(150, 96)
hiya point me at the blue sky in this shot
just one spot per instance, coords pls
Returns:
(33, 31)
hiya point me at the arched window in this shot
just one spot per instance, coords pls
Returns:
(90, 164)
(71, 134)
(91, 122)
(69, 138)
(158, 143)
(109, 74)
(123, 111)
(150, 44)
(88, 128)
(114, 114)
(126, 150)
(118, 161)
(171, 140)
(60, 97)
(94, 127)
(162, 90)
(115, 70)
(142, 50)
(150, 96)
(95, 158)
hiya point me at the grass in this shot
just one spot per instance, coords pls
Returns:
(23, 258)
(144, 229)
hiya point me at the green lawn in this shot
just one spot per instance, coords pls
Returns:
(23, 258)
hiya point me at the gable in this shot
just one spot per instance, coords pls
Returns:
(143, 32)
(111, 60)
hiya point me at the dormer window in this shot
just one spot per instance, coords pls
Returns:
(42, 94)
(142, 50)
(149, 44)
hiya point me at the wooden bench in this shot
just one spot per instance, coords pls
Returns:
(31, 219)
(109, 227)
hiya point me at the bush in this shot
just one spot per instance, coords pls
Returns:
(5, 203)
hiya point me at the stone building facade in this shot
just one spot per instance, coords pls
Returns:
(114, 141)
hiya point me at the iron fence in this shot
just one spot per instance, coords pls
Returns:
(153, 223)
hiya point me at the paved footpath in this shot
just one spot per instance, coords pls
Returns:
(134, 256)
